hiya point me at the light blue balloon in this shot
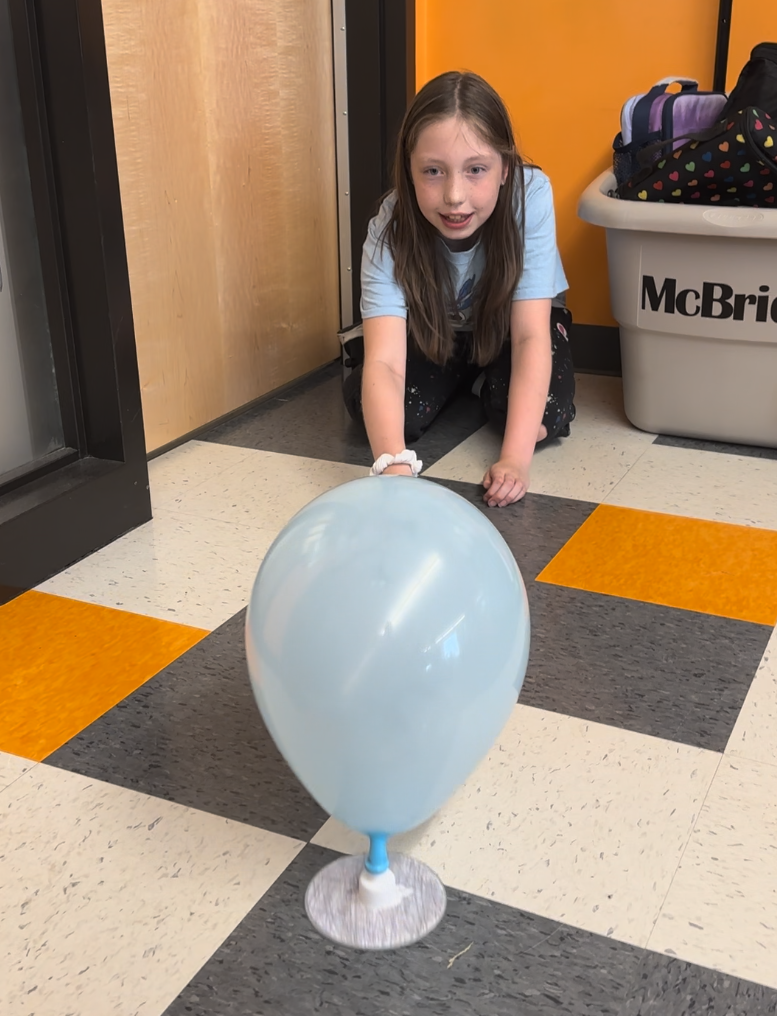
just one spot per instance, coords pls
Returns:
(387, 639)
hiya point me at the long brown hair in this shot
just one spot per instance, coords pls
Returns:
(420, 266)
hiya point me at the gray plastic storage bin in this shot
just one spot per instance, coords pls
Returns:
(694, 290)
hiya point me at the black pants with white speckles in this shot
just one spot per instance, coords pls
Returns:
(429, 387)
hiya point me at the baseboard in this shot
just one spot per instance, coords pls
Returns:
(596, 349)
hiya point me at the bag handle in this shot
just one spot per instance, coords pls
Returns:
(645, 155)
(686, 84)
(640, 121)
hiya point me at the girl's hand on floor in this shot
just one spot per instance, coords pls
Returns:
(505, 482)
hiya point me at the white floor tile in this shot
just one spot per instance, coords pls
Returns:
(602, 448)
(702, 485)
(11, 768)
(754, 735)
(264, 490)
(721, 911)
(112, 900)
(578, 822)
(177, 567)
(196, 561)
(187, 466)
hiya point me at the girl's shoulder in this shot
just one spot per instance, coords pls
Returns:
(538, 197)
(536, 185)
(379, 221)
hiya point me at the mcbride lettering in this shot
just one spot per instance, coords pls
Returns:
(715, 300)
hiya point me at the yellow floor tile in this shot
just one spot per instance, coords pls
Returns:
(63, 663)
(710, 567)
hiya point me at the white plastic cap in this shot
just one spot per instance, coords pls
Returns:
(380, 892)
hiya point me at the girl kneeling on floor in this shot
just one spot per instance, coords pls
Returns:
(461, 277)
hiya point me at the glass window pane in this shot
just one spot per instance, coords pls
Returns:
(30, 419)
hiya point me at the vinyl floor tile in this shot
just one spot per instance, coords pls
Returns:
(8, 593)
(669, 987)
(602, 448)
(716, 446)
(535, 529)
(176, 567)
(483, 960)
(755, 734)
(264, 490)
(11, 768)
(455, 424)
(577, 822)
(65, 663)
(113, 900)
(739, 489)
(311, 420)
(156, 854)
(651, 669)
(194, 735)
(693, 564)
(173, 473)
(721, 909)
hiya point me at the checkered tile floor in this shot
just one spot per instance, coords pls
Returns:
(616, 853)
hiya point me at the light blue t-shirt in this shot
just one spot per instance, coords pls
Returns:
(542, 278)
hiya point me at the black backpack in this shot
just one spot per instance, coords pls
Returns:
(757, 84)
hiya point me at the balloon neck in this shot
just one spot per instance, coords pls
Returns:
(377, 860)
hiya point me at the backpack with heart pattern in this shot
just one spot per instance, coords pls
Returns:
(732, 163)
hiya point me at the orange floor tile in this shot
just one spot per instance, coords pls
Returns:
(63, 663)
(710, 567)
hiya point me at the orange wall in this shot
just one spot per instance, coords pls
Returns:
(564, 68)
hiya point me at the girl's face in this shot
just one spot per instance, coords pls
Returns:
(457, 177)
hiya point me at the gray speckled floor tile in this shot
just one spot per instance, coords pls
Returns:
(8, 593)
(485, 959)
(194, 735)
(311, 420)
(536, 528)
(716, 446)
(669, 987)
(656, 670)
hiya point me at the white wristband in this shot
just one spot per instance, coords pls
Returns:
(405, 458)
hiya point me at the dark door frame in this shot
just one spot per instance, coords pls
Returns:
(380, 59)
(75, 501)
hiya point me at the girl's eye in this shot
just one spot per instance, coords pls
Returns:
(478, 170)
(431, 171)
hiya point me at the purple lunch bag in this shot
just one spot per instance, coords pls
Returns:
(659, 115)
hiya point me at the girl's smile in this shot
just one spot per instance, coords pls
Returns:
(457, 221)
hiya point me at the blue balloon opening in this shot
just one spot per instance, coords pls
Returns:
(377, 860)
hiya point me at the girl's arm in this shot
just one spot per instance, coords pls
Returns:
(508, 479)
(383, 386)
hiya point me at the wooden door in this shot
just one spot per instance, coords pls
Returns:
(224, 119)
